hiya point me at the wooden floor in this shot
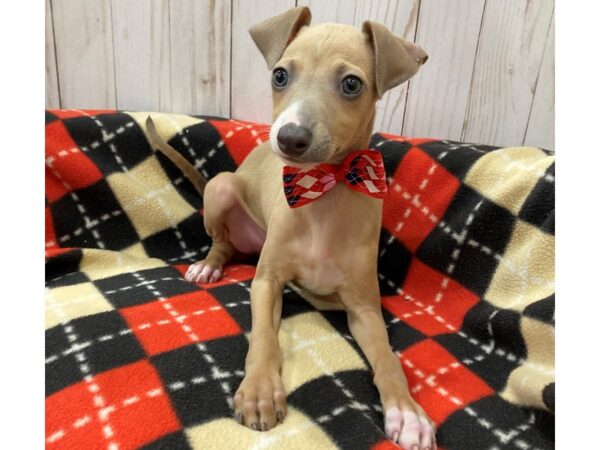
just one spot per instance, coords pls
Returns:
(489, 78)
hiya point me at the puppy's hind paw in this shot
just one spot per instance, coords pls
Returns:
(203, 272)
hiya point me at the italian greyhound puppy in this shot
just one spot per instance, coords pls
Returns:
(318, 227)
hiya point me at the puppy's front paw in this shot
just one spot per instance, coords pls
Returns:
(204, 272)
(260, 401)
(410, 427)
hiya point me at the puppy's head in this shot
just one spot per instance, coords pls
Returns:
(326, 80)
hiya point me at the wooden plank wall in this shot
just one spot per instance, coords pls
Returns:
(489, 78)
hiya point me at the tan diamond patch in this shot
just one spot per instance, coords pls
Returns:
(227, 433)
(527, 382)
(167, 125)
(67, 303)
(98, 264)
(506, 176)
(526, 271)
(149, 199)
(309, 342)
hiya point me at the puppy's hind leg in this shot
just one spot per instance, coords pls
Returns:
(221, 196)
(210, 269)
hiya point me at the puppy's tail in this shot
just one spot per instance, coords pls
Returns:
(188, 170)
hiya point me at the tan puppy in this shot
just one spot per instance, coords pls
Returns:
(326, 80)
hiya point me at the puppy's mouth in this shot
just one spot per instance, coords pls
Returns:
(311, 157)
(317, 153)
(289, 160)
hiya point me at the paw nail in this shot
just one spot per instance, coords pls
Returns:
(395, 436)
(263, 426)
(279, 416)
(240, 418)
(255, 427)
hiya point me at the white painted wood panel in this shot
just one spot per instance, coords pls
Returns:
(438, 94)
(540, 130)
(250, 79)
(142, 54)
(489, 79)
(84, 53)
(52, 92)
(200, 56)
(338, 11)
(506, 70)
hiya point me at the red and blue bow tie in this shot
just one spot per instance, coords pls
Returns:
(362, 171)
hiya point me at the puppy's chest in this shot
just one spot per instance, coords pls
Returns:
(325, 241)
(323, 278)
(318, 264)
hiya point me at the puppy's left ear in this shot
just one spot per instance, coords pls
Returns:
(396, 59)
(273, 35)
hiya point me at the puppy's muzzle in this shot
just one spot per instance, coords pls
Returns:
(294, 140)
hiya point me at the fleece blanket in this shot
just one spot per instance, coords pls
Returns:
(137, 357)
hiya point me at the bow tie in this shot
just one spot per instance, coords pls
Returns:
(362, 171)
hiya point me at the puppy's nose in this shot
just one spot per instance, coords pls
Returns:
(294, 140)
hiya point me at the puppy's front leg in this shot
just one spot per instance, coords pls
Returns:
(260, 399)
(405, 421)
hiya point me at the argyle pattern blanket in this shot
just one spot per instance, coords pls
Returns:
(137, 357)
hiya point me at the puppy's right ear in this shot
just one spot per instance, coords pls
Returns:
(273, 35)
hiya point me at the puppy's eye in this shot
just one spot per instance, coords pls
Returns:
(351, 86)
(280, 78)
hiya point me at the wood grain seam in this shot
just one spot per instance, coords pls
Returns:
(231, 8)
(475, 58)
(537, 79)
(408, 83)
(114, 52)
(50, 2)
(171, 77)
